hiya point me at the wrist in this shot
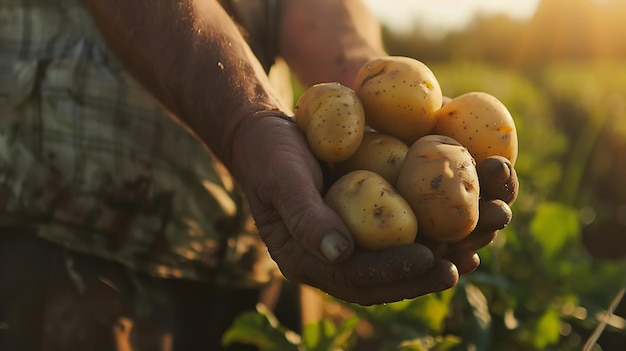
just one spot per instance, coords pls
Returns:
(236, 130)
(255, 139)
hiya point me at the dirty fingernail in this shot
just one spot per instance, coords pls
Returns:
(333, 245)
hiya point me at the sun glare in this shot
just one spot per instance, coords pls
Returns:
(444, 15)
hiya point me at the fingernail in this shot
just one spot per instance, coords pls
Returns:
(333, 245)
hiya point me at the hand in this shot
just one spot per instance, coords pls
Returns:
(495, 215)
(307, 239)
(463, 253)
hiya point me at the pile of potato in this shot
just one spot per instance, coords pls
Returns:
(403, 163)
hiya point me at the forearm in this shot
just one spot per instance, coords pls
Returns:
(328, 40)
(192, 58)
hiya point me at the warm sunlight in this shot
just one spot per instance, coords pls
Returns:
(443, 15)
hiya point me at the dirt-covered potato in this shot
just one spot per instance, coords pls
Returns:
(332, 117)
(377, 216)
(400, 96)
(438, 179)
(380, 153)
(481, 123)
(498, 179)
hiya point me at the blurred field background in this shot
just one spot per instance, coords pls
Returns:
(551, 275)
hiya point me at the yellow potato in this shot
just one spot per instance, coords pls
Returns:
(439, 180)
(379, 153)
(377, 216)
(332, 117)
(400, 96)
(481, 123)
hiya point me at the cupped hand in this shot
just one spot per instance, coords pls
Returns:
(306, 238)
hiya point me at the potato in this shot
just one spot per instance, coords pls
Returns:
(400, 96)
(481, 123)
(379, 153)
(377, 216)
(498, 179)
(439, 181)
(332, 117)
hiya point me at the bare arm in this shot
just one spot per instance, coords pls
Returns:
(164, 43)
(191, 56)
(328, 40)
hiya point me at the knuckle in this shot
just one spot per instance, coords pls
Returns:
(493, 215)
(498, 179)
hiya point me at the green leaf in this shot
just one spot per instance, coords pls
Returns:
(407, 319)
(548, 329)
(261, 329)
(345, 331)
(446, 343)
(489, 279)
(429, 343)
(436, 309)
(477, 328)
(413, 345)
(429, 310)
(324, 336)
(318, 335)
(553, 225)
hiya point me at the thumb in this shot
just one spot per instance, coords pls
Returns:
(310, 221)
(284, 191)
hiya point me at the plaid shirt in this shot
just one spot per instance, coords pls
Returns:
(93, 163)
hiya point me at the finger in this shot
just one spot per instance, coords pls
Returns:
(466, 261)
(388, 267)
(498, 179)
(474, 241)
(493, 215)
(363, 269)
(293, 185)
(316, 226)
(441, 276)
(438, 248)
(367, 277)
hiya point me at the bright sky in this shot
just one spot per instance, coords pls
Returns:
(443, 15)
